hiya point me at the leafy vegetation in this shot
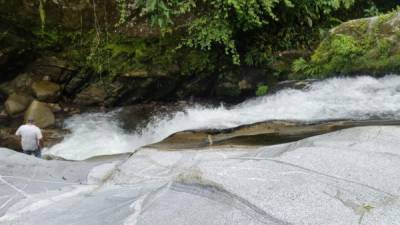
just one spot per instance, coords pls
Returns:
(201, 38)
(213, 24)
(262, 90)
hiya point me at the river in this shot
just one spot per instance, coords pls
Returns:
(359, 98)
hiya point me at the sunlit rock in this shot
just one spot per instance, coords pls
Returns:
(46, 90)
(17, 103)
(41, 113)
(348, 177)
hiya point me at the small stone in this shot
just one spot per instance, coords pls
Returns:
(46, 78)
(55, 108)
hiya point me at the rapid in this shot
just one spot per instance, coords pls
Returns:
(359, 98)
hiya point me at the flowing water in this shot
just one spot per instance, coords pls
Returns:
(358, 98)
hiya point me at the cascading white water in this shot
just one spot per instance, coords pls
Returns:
(338, 98)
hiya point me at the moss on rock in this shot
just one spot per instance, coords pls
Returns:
(363, 46)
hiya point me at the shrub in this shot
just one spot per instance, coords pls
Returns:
(262, 89)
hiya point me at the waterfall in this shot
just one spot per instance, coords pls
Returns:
(357, 98)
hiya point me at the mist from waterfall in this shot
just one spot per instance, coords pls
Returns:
(357, 98)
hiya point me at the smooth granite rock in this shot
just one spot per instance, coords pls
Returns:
(347, 177)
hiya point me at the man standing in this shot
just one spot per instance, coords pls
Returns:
(31, 138)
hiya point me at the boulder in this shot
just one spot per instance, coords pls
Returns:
(21, 84)
(76, 83)
(41, 113)
(94, 94)
(46, 90)
(362, 46)
(17, 103)
(58, 70)
(6, 88)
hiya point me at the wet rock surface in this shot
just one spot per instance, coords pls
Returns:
(342, 178)
(262, 133)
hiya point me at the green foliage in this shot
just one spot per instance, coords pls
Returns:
(49, 39)
(354, 50)
(371, 11)
(115, 54)
(262, 90)
(196, 62)
(255, 57)
(345, 47)
(204, 33)
(334, 55)
(212, 24)
(303, 68)
(383, 46)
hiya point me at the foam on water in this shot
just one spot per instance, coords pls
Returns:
(338, 98)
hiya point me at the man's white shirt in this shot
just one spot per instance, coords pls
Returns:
(30, 136)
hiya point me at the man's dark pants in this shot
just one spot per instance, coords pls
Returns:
(37, 153)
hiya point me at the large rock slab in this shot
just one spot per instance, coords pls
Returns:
(46, 90)
(258, 134)
(348, 177)
(41, 113)
(22, 177)
(17, 103)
